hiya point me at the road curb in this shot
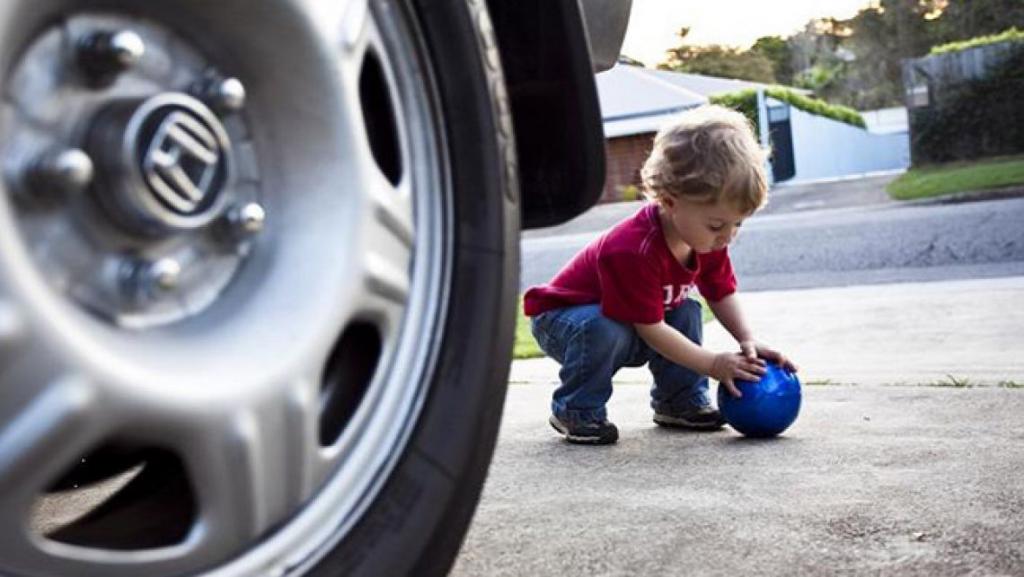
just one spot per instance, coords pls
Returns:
(964, 197)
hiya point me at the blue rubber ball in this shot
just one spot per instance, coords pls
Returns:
(767, 407)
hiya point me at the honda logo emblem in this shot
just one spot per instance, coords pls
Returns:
(180, 165)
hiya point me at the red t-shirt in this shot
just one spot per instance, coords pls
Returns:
(632, 273)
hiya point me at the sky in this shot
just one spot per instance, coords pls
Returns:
(653, 24)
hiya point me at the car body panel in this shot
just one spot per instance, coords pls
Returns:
(606, 22)
(549, 69)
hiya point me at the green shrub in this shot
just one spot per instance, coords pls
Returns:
(970, 119)
(629, 192)
(1010, 35)
(817, 107)
(746, 102)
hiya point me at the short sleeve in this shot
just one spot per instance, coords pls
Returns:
(630, 288)
(716, 279)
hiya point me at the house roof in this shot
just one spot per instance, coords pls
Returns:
(706, 86)
(636, 100)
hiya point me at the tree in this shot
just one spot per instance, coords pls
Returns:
(965, 19)
(718, 60)
(881, 37)
(778, 51)
(814, 47)
(858, 61)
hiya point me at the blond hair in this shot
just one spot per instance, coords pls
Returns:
(709, 155)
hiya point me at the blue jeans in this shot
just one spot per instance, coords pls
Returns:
(591, 348)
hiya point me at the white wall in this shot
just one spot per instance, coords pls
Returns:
(886, 120)
(825, 148)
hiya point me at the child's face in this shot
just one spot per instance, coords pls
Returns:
(704, 227)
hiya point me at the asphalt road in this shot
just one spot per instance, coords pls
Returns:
(879, 242)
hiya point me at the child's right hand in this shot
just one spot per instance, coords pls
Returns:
(730, 366)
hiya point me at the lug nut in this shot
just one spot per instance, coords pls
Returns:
(163, 275)
(226, 95)
(247, 220)
(64, 171)
(105, 54)
(125, 48)
(145, 280)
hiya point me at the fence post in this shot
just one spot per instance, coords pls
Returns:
(763, 131)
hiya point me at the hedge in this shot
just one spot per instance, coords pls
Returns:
(746, 102)
(1011, 35)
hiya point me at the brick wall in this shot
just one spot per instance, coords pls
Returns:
(624, 156)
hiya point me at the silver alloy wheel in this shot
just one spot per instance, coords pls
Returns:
(277, 366)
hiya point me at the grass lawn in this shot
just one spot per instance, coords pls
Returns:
(526, 347)
(936, 180)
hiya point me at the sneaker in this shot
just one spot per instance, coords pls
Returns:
(595, 433)
(704, 418)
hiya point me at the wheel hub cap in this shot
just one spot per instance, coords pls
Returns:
(218, 307)
(167, 160)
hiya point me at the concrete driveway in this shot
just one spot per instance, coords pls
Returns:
(871, 480)
(894, 466)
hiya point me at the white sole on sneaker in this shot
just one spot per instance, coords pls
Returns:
(579, 439)
(681, 423)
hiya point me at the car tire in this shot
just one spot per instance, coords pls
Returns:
(417, 524)
(63, 328)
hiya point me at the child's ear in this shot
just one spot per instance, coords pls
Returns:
(667, 201)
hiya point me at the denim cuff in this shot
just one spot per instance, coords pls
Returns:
(696, 400)
(579, 417)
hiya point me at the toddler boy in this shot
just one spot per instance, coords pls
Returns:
(622, 300)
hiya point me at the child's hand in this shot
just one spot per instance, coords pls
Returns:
(755, 350)
(730, 366)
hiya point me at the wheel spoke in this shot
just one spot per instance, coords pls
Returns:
(386, 280)
(389, 238)
(36, 447)
(354, 23)
(390, 235)
(253, 467)
(53, 429)
(393, 211)
(342, 23)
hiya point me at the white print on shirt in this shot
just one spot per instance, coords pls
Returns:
(674, 294)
